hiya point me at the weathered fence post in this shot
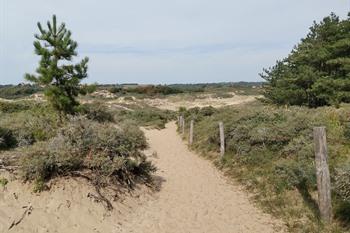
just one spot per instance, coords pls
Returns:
(180, 122)
(222, 139)
(183, 125)
(322, 174)
(191, 132)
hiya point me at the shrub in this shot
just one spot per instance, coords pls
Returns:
(342, 184)
(7, 139)
(97, 112)
(113, 154)
(38, 123)
(3, 181)
(145, 116)
(10, 107)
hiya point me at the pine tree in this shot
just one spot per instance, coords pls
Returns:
(60, 78)
(317, 71)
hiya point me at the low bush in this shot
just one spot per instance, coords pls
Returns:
(10, 107)
(38, 122)
(112, 154)
(342, 184)
(145, 116)
(97, 112)
(3, 181)
(7, 139)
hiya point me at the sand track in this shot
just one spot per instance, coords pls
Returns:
(194, 198)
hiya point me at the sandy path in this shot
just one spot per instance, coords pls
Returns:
(194, 197)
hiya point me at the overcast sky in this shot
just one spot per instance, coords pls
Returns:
(163, 41)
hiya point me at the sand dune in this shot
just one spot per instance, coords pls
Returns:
(194, 197)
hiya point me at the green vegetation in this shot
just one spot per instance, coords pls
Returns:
(96, 111)
(241, 88)
(10, 107)
(102, 144)
(150, 90)
(61, 80)
(27, 122)
(7, 140)
(111, 154)
(3, 181)
(19, 91)
(270, 151)
(139, 91)
(317, 72)
(145, 116)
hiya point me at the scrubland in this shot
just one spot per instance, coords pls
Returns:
(270, 150)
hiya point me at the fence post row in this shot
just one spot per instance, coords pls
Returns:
(222, 139)
(191, 132)
(322, 174)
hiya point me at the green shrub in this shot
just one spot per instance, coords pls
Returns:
(10, 107)
(7, 139)
(145, 116)
(342, 184)
(97, 112)
(113, 153)
(38, 123)
(3, 181)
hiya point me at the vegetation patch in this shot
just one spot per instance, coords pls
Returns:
(270, 150)
(19, 91)
(145, 116)
(112, 154)
(3, 181)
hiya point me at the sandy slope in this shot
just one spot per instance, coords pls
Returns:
(67, 208)
(194, 197)
(175, 102)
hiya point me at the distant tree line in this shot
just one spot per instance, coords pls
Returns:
(18, 91)
(317, 71)
(150, 90)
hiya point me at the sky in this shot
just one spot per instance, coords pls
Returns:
(162, 41)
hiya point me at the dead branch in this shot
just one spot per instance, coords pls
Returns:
(27, 211)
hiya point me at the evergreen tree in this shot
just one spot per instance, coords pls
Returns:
(60, 78)
(317, 71)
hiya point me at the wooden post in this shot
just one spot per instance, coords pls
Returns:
(191, 132)
(222, 139)
(183, 125)
(179, 120)
(322, 174)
